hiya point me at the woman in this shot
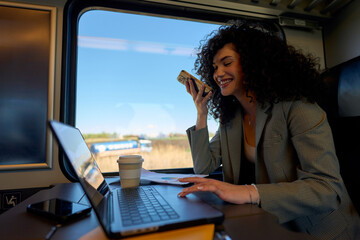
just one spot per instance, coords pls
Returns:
(272, 133)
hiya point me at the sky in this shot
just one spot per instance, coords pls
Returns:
(127, 73)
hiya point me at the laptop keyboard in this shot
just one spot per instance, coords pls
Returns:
(143, 205)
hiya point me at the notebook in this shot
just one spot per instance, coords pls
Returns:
(170, 211)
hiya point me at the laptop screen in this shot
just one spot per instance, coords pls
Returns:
(82, 161)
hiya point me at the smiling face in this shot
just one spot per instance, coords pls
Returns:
(228, 71)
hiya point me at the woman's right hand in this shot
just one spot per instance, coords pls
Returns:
(237, 194)
(200, 103)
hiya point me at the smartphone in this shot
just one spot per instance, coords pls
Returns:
(185, 76)
(59, 210)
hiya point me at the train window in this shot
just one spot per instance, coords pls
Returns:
(128, 99)
(120, 65)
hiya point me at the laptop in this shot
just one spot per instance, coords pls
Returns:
(117, 219)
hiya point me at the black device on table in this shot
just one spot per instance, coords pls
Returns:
(59, 210)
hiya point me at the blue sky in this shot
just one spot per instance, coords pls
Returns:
(127, 70)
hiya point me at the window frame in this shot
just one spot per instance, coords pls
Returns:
(72, 13)
(52, 15)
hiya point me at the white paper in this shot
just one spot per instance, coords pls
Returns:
(168, 178)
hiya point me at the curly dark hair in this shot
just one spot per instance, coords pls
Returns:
(272, 70)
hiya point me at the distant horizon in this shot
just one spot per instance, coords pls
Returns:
(126, 136)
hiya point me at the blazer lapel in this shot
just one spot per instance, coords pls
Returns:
(261, 116)
(234, 137)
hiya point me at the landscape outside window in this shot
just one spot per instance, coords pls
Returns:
(128, 99)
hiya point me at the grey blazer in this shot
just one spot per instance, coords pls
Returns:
(296, 154)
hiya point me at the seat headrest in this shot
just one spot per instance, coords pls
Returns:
(349, 90)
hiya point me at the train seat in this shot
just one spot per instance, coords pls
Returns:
(341, 101)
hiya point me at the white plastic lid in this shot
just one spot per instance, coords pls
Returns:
(128, 159)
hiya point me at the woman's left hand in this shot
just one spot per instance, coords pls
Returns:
(238, 194)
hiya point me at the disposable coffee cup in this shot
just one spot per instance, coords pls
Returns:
(130, 170)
